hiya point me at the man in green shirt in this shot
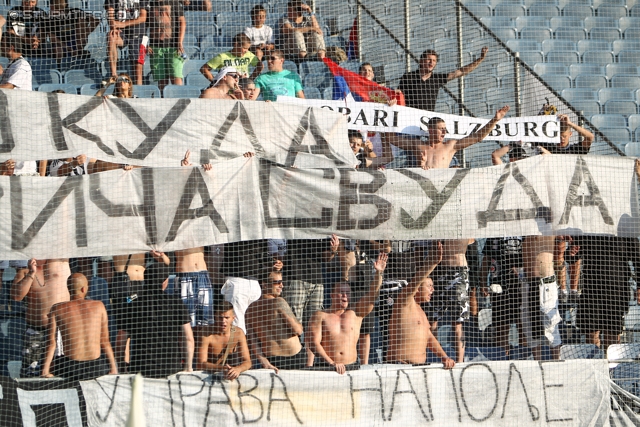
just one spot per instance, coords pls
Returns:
(278, 81)
(239, 58)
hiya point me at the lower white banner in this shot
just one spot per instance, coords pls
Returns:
(523, 393)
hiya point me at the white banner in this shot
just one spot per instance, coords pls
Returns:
(374, 117)
(157, 132)
(121, 212)
(522, 393)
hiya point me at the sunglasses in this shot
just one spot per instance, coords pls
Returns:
(123, 80)
(272, 58)
(233, 75)
(276, 282)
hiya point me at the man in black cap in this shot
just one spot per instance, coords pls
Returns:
(159, 326)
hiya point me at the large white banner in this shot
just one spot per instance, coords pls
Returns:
(157, 132)
(374, 117)
(522, 393)
(121, 212)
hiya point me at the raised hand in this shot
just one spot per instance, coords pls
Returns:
(502, 112)
(185, 161)
(381, 262)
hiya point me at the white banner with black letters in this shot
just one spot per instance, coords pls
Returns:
(157, 132)
(523, 393)
(121, 212)
(374, 117)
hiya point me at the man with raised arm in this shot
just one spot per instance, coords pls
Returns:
(333, 333)
(409, 331)
(223, 347)
(43, 284)
(274, 331)
(84, 329)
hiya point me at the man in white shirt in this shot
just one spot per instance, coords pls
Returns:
(18, 73)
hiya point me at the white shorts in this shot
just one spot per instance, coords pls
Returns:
(539, 312)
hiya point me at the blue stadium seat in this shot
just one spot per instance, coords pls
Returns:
(233, 18)
(588, 108)
(620, 45)
(550, 68)
(78, 77)
(588, 81)
(629, 57)
(193, 65)
(509, 9)
(523, 45)
(175, 91)
(634, 12)
(90, 89)
(531, 21)
(612, 11)
(245, 6)
(48, 87)
(600, 22)
(531, 57)
(618, 135)
(551, 45)
(210, 52)
(556, 81)
(312, 93)
(351, 65)
(598, 45)
(632, 33)
(576, 9)
(634, 121)
(484, 353)
(566, 57)
(210, 41)
(479, 108)
(566, 22)
(598, 57)
(628, 22)
(606, 34)
(571, 34)
(318, 80)
(613, 69)
(537, 34)
(615, 94)
(479, 9)
(312, 67)
(505, 33)
(632, 149)
(576, 69)
(200, 23)
(481, 81)
(327, 93)
(545, 10)
(222, 6)
(146, 91)
(498, 21)
(607, 120)
(620, 107)
(198, 80)
(573, 95)
(445, 44)
(580, 351)
(628, 81)
(507, 81)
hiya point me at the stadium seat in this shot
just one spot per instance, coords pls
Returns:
(198, 80)
(578, 10)
(621, 45)
(498, 21)
(211, 52)
(560, 22)
(146, 91)
(600, 22)
(618, 135)
(479, 9)
(544, 10)
(628, 81)
(481, 81)
(551, 45)
(192, 66)
(48, 87)
(606, 34)
(629, 57)
(175, 91)
(318, 80)
(588, 108)
(504, 33)
(634, 121)
(523, 45)
(632, 33)
(565, 57)
(351, 65)
(200, 23)
(571, 34)
(478, 354)
(537, 34)
(392, 74)
(445, 44)
(531, 21)
(588, 81)
(312, 67)
(573, 95)
(550, 68)
(312, 93)
(531, 57)
(77, 77)
(612, 11)
(608, 120)
(615, 69)
(632, 149)
(90, 89)
(509, 9)
(598, 45)
(580, 351)
(615, 94)
(576, 69)
(327, 93)
(479, 108)
(620, 107)
(210, 41)
(623, 351)
(598, 57)
(556, 81)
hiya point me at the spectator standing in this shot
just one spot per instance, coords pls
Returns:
(167, 26)
(197, 5)
(239, 57)
(421, 87)
(26, 22)
(127, 20)
(278, 81)
(18, 73)
(84, 329)
(159, 327)
(300, 35)
(261, 35)
(68, 29)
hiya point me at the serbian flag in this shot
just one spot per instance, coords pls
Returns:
(352, 44)
(362, 90)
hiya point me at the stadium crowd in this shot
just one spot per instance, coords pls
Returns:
(320, 303)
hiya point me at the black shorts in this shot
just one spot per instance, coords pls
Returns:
(297, 361)
(79, 370)
(34, 347)
(319, 364)
(505, 307)
(602, 307)
(451, 292)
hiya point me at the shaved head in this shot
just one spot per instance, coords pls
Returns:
(75, 283)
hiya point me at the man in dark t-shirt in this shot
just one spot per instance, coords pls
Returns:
(157, 324)
(420, 87)
(126, 28)
(566, 130)
(68, 29)
(26, 21)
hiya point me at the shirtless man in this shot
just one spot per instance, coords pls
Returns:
(43, 284)
(223, 347)
(225, 86)
(333, 333)
(274, 331)
(409, 331)
(85, 335)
